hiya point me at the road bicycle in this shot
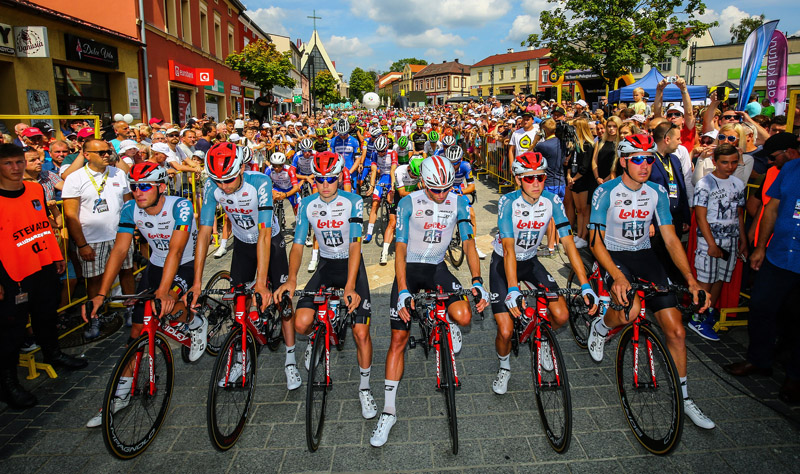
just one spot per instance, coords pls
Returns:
(383, 214)
(580, 321)
(431, 313)
(329, 330)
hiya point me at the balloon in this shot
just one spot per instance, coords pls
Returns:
(117, 117)
(128, 118)
(371, 100)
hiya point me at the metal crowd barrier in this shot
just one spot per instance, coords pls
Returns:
(494, 159)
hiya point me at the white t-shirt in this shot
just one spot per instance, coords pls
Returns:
(722, 198)
(97, 226)
(523, 141)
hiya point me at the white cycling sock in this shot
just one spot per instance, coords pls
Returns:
(290, 360)
(364, 384)
(124, 386)
(314, 254)
(505, 361)
(385, 247)
(370, 227)
(390, 392)
(684, 389)
(223, 242)
(601, 327)
(196, 322)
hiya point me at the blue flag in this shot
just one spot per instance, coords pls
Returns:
(753, 54)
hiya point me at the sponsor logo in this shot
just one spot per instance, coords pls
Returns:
(323, 213)
(530, 225)
(418, 214)
(233, 210)
(428, 212)
(149, 225)
(331, 224)
(633, 214)
(633, 230)
(434, 225)
(37, 204)
(628, 202)
(525, 213)
(244, 194)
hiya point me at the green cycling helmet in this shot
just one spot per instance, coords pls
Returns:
(414, 165)
(402, 142)
(433, 136)
(352, 119)
(320, 132)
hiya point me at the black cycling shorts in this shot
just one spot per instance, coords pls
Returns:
(333, 274)
(423, 276)
(151, 279)
(643, 264)
(530, 270)
(244, 262)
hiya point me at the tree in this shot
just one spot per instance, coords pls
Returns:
(325, 90)
(398, 65)
(740, 32)
(263, 65)
(361, 82)
(611, 38)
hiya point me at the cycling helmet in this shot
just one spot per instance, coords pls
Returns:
(433, 136)
(414, 165)
(448, 140)
(342, 127)
(352, 119)
(381, 144)
(437, 173)
(526, 162)
(636, 144)
(402, 142)
(245, 153)
(277, 158)
(384, 128)
(306, 144)
(327, 164)
(375, 131)
(454, 154)
(374, 120)
(420, 123)
(320, 132)
(148, 172)
(223, 161)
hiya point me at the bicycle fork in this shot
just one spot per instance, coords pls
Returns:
(541, 308)
(441, 311)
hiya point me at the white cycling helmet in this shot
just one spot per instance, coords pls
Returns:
(306, 144)
(448, 140)
(245, 153)
(437, 173)
(454, 154)
(381, 144)
(375, 131)
(342, 127)
(277, 158)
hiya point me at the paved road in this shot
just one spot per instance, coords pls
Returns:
(498, 433)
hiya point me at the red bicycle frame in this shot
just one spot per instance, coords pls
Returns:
(239, 313)
(438, 316)
(325, 316)
(537, 317)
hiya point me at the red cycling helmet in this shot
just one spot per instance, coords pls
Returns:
(636, 144)
(528, 161)
(327, 164)
(148, 172)
(223, 162)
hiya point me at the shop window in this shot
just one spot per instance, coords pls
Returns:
(665, 66)
(186, 21)
(217, 36)
(203, 26)
(81, 92)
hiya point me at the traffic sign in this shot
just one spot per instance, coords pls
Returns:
(297, 99)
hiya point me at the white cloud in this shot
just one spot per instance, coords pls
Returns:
(727, 17)
(417, 15)
(342, 47)
(433, 54)
(432, 38)
(459, 52)
(523, 26)
(534, 7)
(270, 19)
(796, 33)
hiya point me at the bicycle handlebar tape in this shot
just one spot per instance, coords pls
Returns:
(157, 304)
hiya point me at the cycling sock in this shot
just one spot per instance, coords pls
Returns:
(684, 389)
(223, 242)
(290, 360)
(390, 393)
(505, 361)
(601, 327)
(385, 247)
(370, 228)
(364, 385)
(314, 254)
(123, 387)
(196, 322)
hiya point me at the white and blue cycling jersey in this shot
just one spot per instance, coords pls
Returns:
(249, 208)
(626, 215)
(526, 223)
(302, 164)
(346, 148)
(336, 223)
(427, 227)
(177, 214)
(430, 149)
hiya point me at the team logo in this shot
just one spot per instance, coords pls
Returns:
(527, 239)
(418, 213)
(244, 194)
(323, 213)
(230, 201)
(525, 142)
(628, 202)
(633, 230)
(149, 225)
(37, 204)
(525, 213)
(428, 212)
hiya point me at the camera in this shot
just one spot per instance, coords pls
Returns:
(672, 79)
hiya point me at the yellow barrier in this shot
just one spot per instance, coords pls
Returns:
(494, 158)
(57, 126)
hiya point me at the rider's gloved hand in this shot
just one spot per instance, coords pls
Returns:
(512, 297)
(586, 289)
(482, 291)
(402, 297)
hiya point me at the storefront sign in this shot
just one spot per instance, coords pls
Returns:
(236, 90)
(184, 105)
(31, 42)
(298, 99)
(218, 86)
(249, 93)
(579, 75)
(189, 75)
(39, 104)
(6, 39)
(133, 98)
(90, 52)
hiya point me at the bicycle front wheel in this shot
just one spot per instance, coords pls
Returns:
(551, 388)
(317, 391)
(455, 252)
(448, 387)
(131, 423)
(580, 321)
(218, 312)
(650, 396)
(231, 390)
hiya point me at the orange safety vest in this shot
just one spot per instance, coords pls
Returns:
(27, 242)
(772, 173)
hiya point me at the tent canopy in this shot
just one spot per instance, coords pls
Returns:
(649, 83)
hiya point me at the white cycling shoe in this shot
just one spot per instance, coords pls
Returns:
(696, 415)
(381, 432)
(368, 406)
(221, 251)
(481, 255)
(293, 379)
(596, 342)
(312, 265)
(199, 339)
(546, 355)
(500, 384)
(117, 404)
(455, 335)
(384, 258)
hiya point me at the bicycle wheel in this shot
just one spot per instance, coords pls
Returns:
(580, 321)
(455, 252)
(380, 223)
(129, 430)
(317, 391)
(552, 393)
(229, 398)
(273, 330)
(219, 313)
(449, 389)
(653, 407)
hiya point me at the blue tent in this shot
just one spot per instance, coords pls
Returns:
(649, 83)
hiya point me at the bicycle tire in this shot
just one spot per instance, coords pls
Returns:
(317, 390)
(455, 252)
(663, 438)
(580, 321)
(228, 406)
(449, 389)
(128, 432)
(555, 412)
(273, 330)
(218, 313)
(380, 223)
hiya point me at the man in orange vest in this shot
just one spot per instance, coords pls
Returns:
(30, 262)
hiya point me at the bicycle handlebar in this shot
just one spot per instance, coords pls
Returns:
(428, 295)
(146, 295)
(548, 294)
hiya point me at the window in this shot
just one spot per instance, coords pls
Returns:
(439, 83)
(204, 27)
(186, 21)
(217, 36)
(513, 73)
(246, 40)
(231, 42)
(170, 18)
(445, 83)
(665, 66)
(545, 76)
(463, 82)
(480, 77)
(501, 74)
(82, 91)
(636, 70)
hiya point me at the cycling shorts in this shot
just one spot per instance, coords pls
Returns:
(151, 279)
(244, 263)
(364, 174)
(332, 273)
(530, 270)
(384, 183)
(423, 276)
(643, 264)
(294, 199)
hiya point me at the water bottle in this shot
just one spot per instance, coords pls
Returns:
(253, 314)
(333, 305)
(605, 301)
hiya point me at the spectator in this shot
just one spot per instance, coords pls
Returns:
(777, 125)
(121, 129)
(145, 134)
(209, 133)
(158, 137)
(581, 181)
(682, 116)
(767, 108)
(554, 152)
(753, 108)
(129, 153)
(639, 105)
(74, 161)
(29, 271)
(51, 182)
(155, 124)
(778, 266)
(185, 149)
(581, 110)
(523, 139)
(93, 198)
(59, 150)
(18, 130)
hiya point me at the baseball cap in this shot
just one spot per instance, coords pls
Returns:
(172, 130)
(234, 137)
(711, 134)
(32, 132)
(86, 132)
(200, 154)
(44, 127)
(778, 142)
(526, 114)
(126, 145)
(559, 110)
(638, 118)
(675, 107)
(161, 148)
(581, 102)
(155, 121)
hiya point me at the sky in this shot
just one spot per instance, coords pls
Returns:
(372, 34)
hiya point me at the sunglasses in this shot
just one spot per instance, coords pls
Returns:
(325, 179)
(639, 159)
(706, 141)
(534, 177)
(730, 117)
(174, 135)
(439, 191)
(728, 138)
(674, 114)
(225, 181)
(143, 187)
(101, 152)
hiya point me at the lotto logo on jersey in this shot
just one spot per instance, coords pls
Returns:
(633, 214)
(633, 230)
(530, 225)
(434, 225)
(331, 224)
(184, 210)
(527, 239)
(234, 210)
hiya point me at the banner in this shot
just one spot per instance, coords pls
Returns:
(752, 55)
(777, 65)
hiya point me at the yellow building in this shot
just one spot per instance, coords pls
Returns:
(508, 73)
(409, 71)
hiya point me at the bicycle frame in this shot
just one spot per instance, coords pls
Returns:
(324, 317)
(239, 314)
(637, 322)
(537, 317)
(437, 318)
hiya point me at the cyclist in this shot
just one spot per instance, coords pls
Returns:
(523, 217)
(406, 178)
(385, 164)
(302, 161)
(321, 143)
(447, 142)
(426, 220)
(433, 146)
(369, 156)
(403, 149)
(344, 185)
(418, 138)
(463, 182)
(348, 147)
(622, 211)
(284, 180)
(336, 218)
(167, 223)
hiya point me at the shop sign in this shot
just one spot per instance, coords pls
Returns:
(249, 93)
(218, 86)
(31, 42)
(298, 99)
(6, 39)
(90, 52)
(39, 104)
(580, 75)
(134, 107)
(189, 75)
(236, 90)
(184, 105)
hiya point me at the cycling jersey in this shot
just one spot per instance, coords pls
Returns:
(347, 148)
(427, 227)
(625, 214)
(385, 162)
(402, 153)
(177, 214)
(527, 223)
(320, 145)
(282, 180)
(403, 179)
(370, 145)
(418, 139)
(302, 164)
(463, 174)
(336, 224)
(249, 208)
(433, 149)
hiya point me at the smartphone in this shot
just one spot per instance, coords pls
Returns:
(726, 254)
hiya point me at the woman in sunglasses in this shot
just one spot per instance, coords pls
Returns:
(732, 134)
(523, 218)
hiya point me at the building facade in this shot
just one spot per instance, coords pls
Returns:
(386, 85)
(315, 59)
(407, 81)
(441, 81)
(509, 73)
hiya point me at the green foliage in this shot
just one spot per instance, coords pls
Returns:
(361, 82)
(740, 32)
(263, 65)
(611, 38)
(325, 90)
(398, 65)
